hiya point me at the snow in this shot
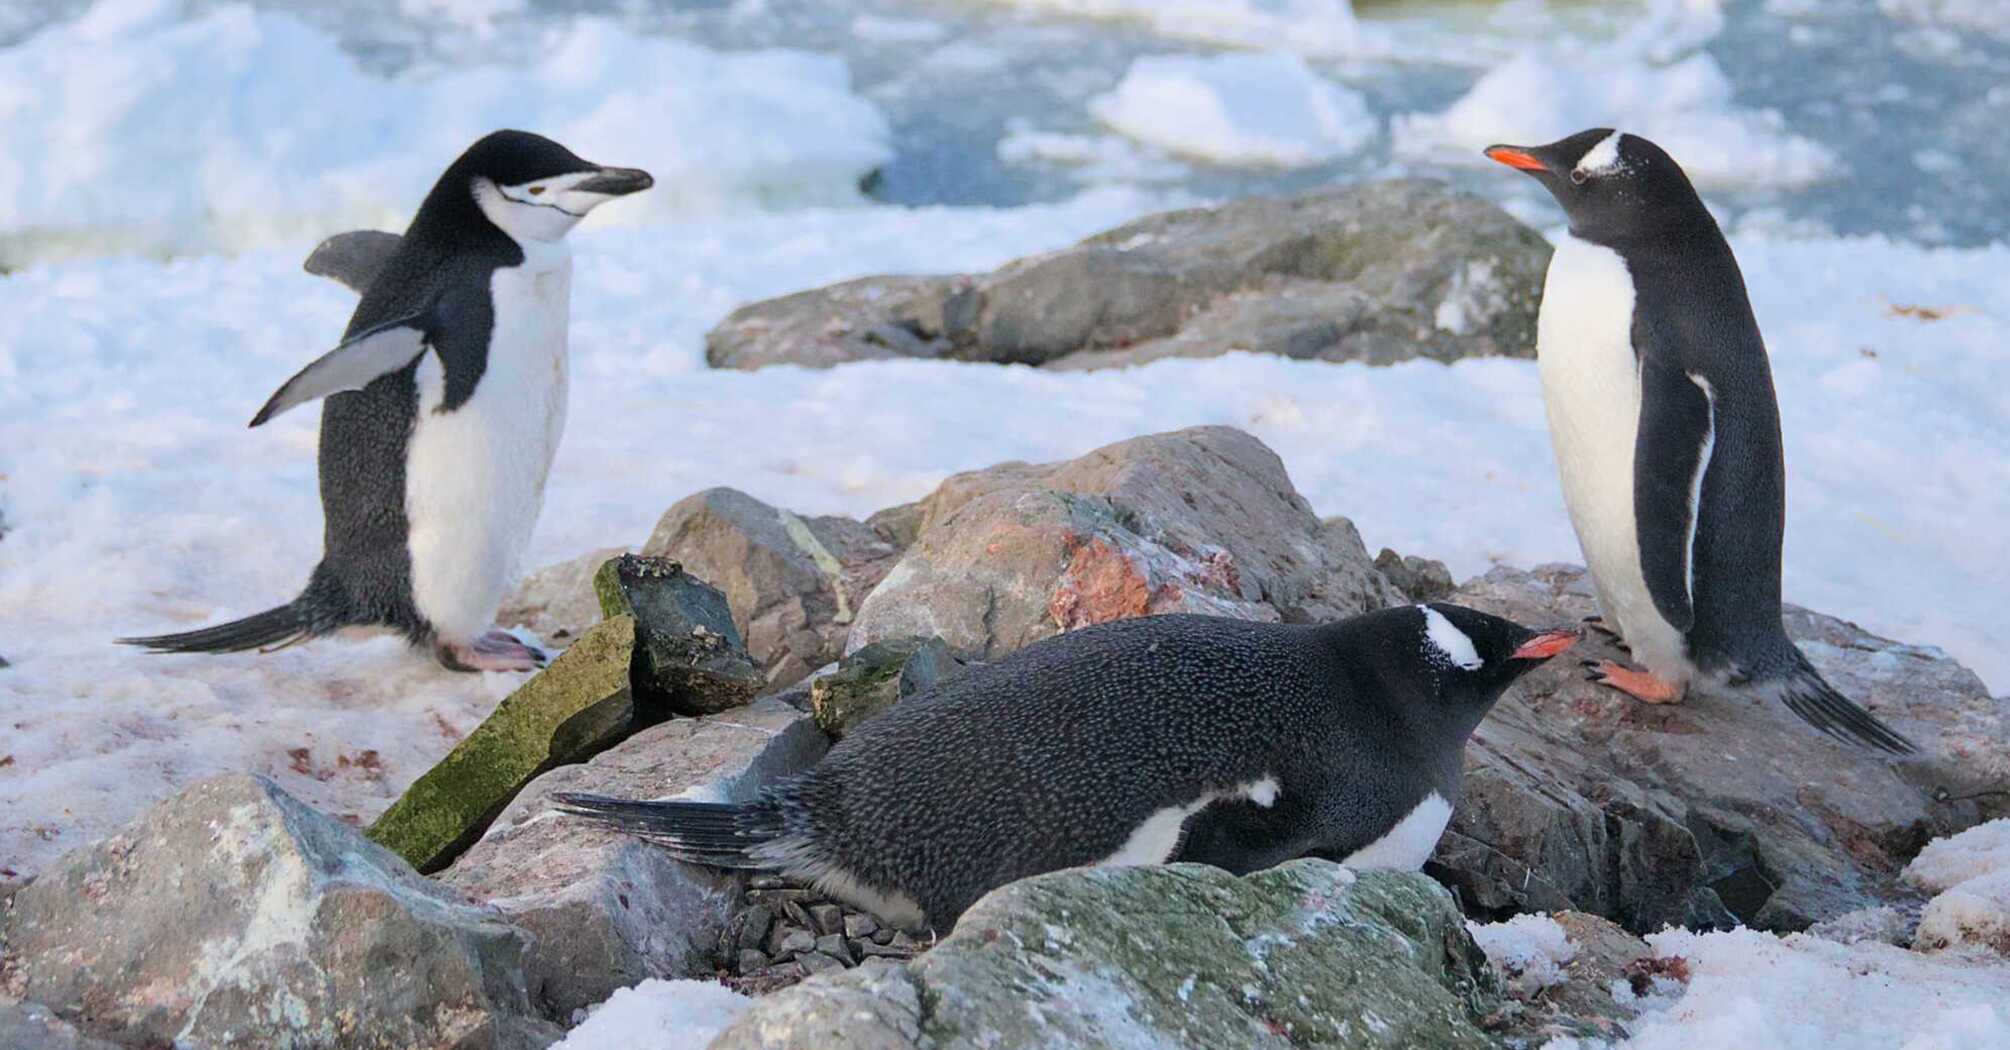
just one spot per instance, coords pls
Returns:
(225, 127)
(1969, 874)
(1529, 952)
(1989, 16)
(1320, 28)
(1237, 109)
(659, 1015)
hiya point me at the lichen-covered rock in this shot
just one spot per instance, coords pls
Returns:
(1199, 520)
(794, 582)
(1308, 954)
(1376, 272)
(234, 916)
(558, 601)
(1719, 810)
(32, 1026)
(876, 677)
(566, 713)
(607, 910)
(688, 653)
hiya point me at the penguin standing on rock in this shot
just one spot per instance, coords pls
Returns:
(1667, 433)
(446, 400)
(1141, 741)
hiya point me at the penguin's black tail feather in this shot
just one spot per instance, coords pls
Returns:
(1810, 696)
(272, 629)
(714, 834)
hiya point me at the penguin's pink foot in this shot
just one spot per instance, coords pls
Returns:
(1637, 684)
(496, 650)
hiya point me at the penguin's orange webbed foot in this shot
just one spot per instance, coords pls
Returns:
(1637, 684)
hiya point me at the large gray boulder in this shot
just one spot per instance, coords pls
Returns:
(607, 910)
(1378, 272)
(794, 582)
(1198, 520)
(234, 916)
(32, 1026)
(1720, 809)
(1308, 954)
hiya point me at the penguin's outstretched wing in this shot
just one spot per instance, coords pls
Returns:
(353, 365)
(1671, 458)
(354, 258)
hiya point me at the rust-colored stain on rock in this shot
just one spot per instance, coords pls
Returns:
(1100, 584)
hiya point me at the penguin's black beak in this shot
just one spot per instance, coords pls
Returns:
(1545, 645)
(616, 182)
(1521, 158)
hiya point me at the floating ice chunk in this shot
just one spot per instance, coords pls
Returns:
(1237, 109)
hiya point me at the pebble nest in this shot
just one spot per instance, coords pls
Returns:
(785, 932)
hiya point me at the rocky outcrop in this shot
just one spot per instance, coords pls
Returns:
(1200, 520)
(1379, 272)
(606, 910)
(557, 602)
(234, 916)
(876, 677)
(1722, 809)
(32, 1026)
(794, 582)
(1308, 954)
(689, 658)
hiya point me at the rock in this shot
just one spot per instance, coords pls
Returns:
(832, 945)
(1719, 810)
(32, 1026)
(1581, 1004)
(751, 961)
(791, 941)
(568, 712)
(860, 925)
(1198, 520)
(688, 654)
(558, 601)
(815, 963)
(794, 583)
(1420, 579)
(876, 677)
(754, 922)
(829, 918)
(234, 916)
(608, 910)
(1377, 272)
(1307, 954)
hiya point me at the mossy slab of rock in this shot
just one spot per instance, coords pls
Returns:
(1308, 954)
(569, 712)
(688, 654)
(877, 677)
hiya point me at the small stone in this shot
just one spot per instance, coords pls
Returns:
(817, 962)
(902, 939)
(885, 951)
(749, 961)
(775, 898)
(858, 924)
(798, 914)
(754, 925)
(829, 918)
(882, 936)
(793, 942)
(832, 944)
(767, 882)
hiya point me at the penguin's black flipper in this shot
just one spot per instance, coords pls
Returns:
(273, 628)
(374, 352)
(1671, 460)
(353, 259)
(714, 834)
(1807, 694)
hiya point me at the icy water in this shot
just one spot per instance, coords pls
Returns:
(1906, 97)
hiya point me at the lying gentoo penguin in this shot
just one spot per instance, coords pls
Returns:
(1667, 433)
(433, 464)
(1142, 741)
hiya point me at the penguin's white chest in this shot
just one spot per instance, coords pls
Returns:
(1591, 389)
(1408, 844)
(474, 481)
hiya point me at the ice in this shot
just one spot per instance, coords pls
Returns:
(1268, 108)
(1528, 951)
(1320, 28)
(227, 127)
(1989, 16)
(659, 1015)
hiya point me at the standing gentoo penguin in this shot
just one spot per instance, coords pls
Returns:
(1667, 433)
(446, 399)
(1182, 737)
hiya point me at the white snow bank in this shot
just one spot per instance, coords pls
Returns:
(1266, 108)
(227, 127)
(1319, 28)
(1650, 82)
(659, 1015)
(1528, 951)
(1970, 875)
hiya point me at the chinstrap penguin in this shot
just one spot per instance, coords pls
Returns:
(1667, 433)
(445, 402)
(1141, 741)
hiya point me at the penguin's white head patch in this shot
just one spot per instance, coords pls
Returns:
(1601, 159)
(547, 209)
(1447, 641)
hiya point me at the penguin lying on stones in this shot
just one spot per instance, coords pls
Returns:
(446, 400)
(1667, 433)
(1140, 741)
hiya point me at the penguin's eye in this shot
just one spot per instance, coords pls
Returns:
(1576, 177)
(535, 190)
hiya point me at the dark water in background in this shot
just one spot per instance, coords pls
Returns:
(1919, 114)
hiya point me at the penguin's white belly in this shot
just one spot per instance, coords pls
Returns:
(475, 476)
(1409, 844)
(1591, 389)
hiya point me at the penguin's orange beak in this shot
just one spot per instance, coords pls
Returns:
(1543, 646)
(1516, 157)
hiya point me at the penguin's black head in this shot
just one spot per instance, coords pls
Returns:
(1612, 185)
(1469, 658)
(528, 186)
